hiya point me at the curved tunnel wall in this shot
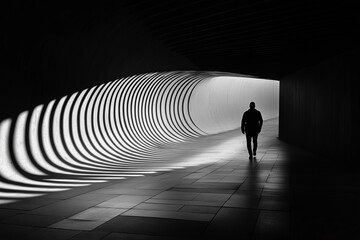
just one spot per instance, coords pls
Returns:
(114, 130)
(50, 50)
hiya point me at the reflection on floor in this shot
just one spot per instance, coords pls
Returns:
(284, 193)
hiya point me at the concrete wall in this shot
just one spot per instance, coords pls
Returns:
(46, 55)
(319, 107)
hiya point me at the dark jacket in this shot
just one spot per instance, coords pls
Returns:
(251, 122)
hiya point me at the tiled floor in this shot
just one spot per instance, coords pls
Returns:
(286, 193)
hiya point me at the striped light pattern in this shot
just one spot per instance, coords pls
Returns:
(111, 131)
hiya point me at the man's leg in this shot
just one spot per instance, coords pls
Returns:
(248, 143)
(255, 136)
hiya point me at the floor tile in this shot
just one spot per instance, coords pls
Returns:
(274, 203)
(230, 222)
(186, 202)
(75, 224)
(200, 209)
(93, 197)
(90, 235)
(129, 191)
(32, 220)
(161, 207)
(242, 201)
(98, 214)
(177, 195)
(29, 204)
(124, 201)
(212, 197)
(202, 190)
(63, 208)
(5, 213)
(154, 226)
(68, 194)
(170, 214)
(52, 234)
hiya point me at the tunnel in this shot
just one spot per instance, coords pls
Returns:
(113, 131)
(121, 120)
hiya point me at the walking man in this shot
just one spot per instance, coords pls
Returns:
(251, 125)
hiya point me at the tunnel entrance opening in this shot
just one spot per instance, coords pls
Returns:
(217, 103)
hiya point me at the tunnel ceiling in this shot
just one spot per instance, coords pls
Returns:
(265, 38)
(262, 38)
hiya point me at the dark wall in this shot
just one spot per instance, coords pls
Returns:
(48, 51)
(319, 107)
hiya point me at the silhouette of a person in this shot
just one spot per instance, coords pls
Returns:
(251, 125)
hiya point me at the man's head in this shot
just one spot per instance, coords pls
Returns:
(252, 105)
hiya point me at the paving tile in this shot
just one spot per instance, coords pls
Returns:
(75, 224)
(170, 215)
(233, 179)
(129, 191)
(212, 197)
(197, 175)
(285, 194)
(5, 213)
(154, 226)
(274, 203)
(200, 209)
(29, 204)
(32, 220)
(176, 195)
(159, 186)
(209, 180)
(202, 190)
(90, 235)
(223, 186)
(252, 186)
(63, 208)
(121, 205)
(250, 192)
(93, 197)
(185, 202)
(274, 186)
(67, 194)
(161, 207)
(124, 201)
(53, 234)
(230, 222)
(98, 214)
(242, 201)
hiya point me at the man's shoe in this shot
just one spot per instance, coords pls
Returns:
(250, 157)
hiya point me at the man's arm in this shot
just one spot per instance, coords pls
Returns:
(243, 124)
(260, 122)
